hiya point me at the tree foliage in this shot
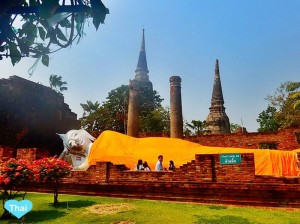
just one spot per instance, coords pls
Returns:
(294, 87)
(46, 26)
(267, 121)
(196, 127)
(51, 170)
(13, 173)
(57, 84)
(157, 120)
(234, 127)
(112, 114)
(282, 110)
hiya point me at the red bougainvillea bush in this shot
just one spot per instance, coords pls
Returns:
(13, 173)
(17, 172)
(51, 170)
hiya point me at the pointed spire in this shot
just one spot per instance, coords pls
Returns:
(217, 94)
(217, 120)
(142, 68)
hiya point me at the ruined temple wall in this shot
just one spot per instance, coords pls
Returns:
(205, 168)
(285, 139)
(31, 114)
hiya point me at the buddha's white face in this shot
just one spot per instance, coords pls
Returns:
(76, 141)
(77, 144)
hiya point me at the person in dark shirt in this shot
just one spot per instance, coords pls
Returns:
(172, 166)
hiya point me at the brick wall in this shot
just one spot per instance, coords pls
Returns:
(205, 168)
(5, 153)
(204, 180)
(285, 139)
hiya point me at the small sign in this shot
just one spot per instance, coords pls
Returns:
(230, 158)
(18, 208)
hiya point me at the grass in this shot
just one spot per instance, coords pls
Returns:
(74, 209)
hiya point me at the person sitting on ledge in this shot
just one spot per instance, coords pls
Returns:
(146, 167)
(159, 165)
(139, 165)
(172, 166)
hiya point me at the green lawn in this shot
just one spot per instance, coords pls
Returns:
(94, 209)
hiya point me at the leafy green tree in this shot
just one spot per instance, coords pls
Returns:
(186, 130)
(234, 127)
(197, 127)
(57, 84)
(295, 95)
(42, 25)
(158, 120)
(112, 115)
(267, 121)
(116, 105)
(90, 115)
(285, 115)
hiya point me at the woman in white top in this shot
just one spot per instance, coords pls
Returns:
(139, 165)
(146, 167)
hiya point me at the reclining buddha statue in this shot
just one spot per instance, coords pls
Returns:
(83, 150)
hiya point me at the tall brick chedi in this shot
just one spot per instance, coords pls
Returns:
(217, 120)
(133, 109)
(176, 120)
(142, 78)
(141, 99)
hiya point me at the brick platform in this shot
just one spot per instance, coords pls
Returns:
(201, 180)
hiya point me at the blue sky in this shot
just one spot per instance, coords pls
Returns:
(257, 43)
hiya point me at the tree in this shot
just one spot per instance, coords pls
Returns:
(158, 120)
(51, 170)
(90, 114)
(267, 121)
(286, 115)
(13, 174)
(112, 114)
(197, 127)
(57, 84)
(234, 127)
(293, 86)
(43, 22)
(186, 130)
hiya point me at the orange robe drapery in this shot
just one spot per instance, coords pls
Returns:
(122, 149)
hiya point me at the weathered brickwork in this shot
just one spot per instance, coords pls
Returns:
(203, 179)
(285, 139)
(5, 153)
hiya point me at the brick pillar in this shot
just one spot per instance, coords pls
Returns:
(133, 109)
(176, 108)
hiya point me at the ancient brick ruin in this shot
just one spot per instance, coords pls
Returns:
(31, 114)
(204, 179)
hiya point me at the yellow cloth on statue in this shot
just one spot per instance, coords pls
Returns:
(122, 149)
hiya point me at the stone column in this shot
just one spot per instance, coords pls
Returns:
(133, 109)
(176, 108)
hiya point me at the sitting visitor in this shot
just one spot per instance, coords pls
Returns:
(159, 165)
(146, 167)
(139, 165)
(172, 166)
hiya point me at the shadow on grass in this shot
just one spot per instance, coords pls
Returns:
(217, 207)
(43, 215)
(72, 204)
(227, 219)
